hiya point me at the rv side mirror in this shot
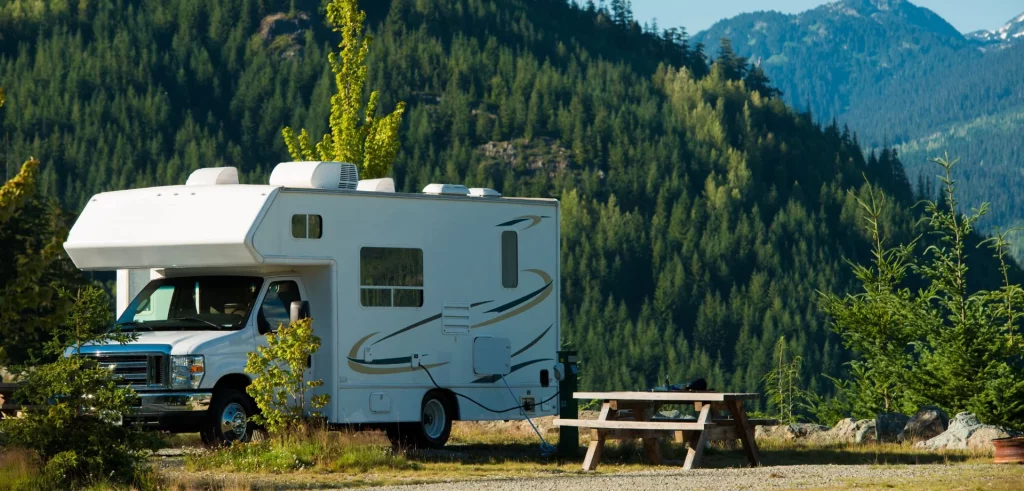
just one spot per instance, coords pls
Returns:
(300, 310)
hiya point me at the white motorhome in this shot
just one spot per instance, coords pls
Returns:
(426, 304)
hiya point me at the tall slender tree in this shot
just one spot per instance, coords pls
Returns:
(371, 144)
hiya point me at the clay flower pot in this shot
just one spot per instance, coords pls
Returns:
(1009, 450)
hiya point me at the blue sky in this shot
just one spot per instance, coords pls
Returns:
(697, 15)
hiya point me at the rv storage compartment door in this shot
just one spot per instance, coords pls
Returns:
(380, 403)
(492, 356)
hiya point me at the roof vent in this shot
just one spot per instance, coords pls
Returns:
(446, 189)
(349, 177)
(382, 185)
(484, 193)
(315, 175)
(213, 175)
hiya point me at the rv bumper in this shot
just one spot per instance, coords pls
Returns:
(172, 411)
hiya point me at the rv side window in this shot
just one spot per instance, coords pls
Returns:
(509, 259)
(307, 226)
(390, 277)
(299, 226)
(316, 229)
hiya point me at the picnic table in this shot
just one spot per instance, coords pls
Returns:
(631, 415)
(6, 395)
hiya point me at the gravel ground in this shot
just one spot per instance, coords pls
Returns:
(788, 477)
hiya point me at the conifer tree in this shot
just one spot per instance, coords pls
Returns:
(371, 144)
(33, 268)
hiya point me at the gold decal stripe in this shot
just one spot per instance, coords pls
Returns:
(533, 303)
(359, 344)
(535, 219)
(387, 371)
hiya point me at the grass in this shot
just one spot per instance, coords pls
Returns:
(308, 448)
(18, 469)
(317, 458)
(782, 452)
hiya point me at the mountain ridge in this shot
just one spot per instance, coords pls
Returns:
(820, 56)
(1011, 32)
(897, 74)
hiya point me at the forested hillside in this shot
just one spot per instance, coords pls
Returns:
(900, 75)
(701, 215)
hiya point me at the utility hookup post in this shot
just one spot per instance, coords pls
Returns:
(568, 436)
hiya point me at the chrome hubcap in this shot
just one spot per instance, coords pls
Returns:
(233, 422)
(433, 419)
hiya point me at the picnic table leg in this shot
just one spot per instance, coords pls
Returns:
(651, 445)
(746, 433)
(597, 443)
(594, 451)
(693, 455)
(681, 436)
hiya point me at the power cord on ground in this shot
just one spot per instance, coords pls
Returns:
(545, 447)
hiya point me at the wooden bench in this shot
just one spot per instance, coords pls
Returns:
(631, 415)
(630, 430)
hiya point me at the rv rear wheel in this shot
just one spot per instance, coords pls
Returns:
(229, 419)
(435, 421)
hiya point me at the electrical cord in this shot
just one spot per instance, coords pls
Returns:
(470, 399)
(545, 447)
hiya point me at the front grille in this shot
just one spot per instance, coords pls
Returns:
(136, 370)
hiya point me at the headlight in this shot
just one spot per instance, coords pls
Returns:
(187, 371)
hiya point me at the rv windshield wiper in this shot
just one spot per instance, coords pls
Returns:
(133, 325)
(196, 319)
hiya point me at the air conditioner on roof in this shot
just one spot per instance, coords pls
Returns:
(315, 175)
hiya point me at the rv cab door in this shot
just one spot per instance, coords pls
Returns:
(275, 307)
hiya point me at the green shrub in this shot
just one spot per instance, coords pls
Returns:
(72, 424)
(943, 343)
(280, 386)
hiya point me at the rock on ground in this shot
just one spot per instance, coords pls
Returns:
(965, 431)
(850, 430)
(929, 422)
(790, 431)
(867, 432)
(889, 425)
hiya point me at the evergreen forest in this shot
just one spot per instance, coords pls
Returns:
(701, 215)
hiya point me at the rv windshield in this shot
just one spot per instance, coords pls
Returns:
(201, 303)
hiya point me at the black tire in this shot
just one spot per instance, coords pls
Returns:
(229, 419)
(435, 425)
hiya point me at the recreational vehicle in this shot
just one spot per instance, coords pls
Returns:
(431, 307)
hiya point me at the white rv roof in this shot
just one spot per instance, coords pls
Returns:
(166, 227)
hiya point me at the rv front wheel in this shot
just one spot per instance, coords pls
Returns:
(435, 421)
(229, 419)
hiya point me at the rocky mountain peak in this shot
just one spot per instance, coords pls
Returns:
(1011, 32)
